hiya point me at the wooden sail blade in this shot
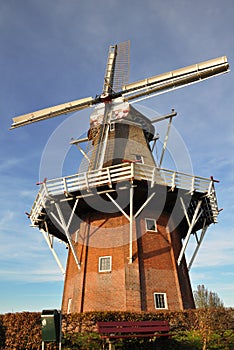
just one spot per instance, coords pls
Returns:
(51, 112)
(177, 78)
(110, 70)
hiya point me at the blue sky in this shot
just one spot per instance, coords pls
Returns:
(54, 51)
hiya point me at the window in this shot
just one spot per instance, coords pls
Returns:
(69, 303)
(139, 158)
(151, 225)
(104, 264)
(160, 300)
(112, 126)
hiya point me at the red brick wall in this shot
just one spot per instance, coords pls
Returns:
(127, 286)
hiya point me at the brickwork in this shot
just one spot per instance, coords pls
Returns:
(128, 286)
(131, 283)
(90, 289)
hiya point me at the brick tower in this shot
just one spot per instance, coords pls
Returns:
(126, 250)
(125, 219)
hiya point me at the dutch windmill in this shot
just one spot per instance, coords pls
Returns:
(126, 220)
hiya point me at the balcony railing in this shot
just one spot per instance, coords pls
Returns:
(86, 181)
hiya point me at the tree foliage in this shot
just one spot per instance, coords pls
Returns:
(206, 299)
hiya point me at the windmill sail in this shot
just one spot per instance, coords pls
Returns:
(176, 78)
(110, 70)
(116, 71)
(51, 112)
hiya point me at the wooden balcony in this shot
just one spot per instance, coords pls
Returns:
(83, 183)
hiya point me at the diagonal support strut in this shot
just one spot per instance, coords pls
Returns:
(196, 216)
(65, 227)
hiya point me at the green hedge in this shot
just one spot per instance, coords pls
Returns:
(192, 329)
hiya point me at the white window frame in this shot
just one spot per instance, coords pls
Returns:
(112, 126)
(140, 160)
(69, 304)
(164, 301)
(155, 225)
(99, 264)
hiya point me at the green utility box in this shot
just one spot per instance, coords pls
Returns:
(51, 325)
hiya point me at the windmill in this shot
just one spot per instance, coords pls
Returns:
(126, 220)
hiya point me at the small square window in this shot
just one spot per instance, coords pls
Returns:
(139, 158)
(112, 126)
(151, 225)
(160, 300)
(105, 264)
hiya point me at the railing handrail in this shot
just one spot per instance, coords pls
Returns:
(121, 172)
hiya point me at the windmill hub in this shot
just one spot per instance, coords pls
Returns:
(105, 98)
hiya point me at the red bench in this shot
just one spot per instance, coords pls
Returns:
(133, 329)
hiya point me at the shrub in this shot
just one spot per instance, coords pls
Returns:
(193, 329)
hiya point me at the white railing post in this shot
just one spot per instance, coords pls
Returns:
(192, 185)
(131, 223)
(132, 171)
(65, 185)
(173, 184)
(109, 177)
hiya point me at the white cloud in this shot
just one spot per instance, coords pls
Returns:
(6, 218)
(25, 256)
(27, 194)
(33, 273)
(216, 249)
(8, 164)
